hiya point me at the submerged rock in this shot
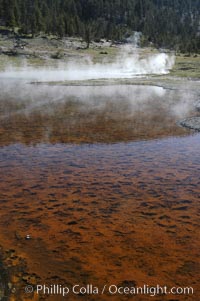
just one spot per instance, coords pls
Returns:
(28, 237)
(191, 123)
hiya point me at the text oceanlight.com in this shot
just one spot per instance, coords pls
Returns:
(112, 289)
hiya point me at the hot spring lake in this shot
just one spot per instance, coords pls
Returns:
(104, 181)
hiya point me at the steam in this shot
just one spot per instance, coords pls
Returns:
(128, 64)
(128, 67)
(55, 111)
(19, 98)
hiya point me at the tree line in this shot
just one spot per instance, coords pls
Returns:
(165, 23)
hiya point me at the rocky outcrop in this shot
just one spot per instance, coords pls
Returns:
(191, 123)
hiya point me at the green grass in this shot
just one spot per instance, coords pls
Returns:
(98, 54)
(187, 66)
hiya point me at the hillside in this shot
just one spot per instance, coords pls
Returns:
(173, 24)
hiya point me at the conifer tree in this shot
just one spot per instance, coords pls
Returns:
(166, 23)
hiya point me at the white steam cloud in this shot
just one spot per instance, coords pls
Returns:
(128, 67)
(128, 64)
(178, 102)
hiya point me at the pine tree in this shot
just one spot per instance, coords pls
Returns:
(164, 22)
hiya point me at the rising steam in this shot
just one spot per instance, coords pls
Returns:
(128, 64)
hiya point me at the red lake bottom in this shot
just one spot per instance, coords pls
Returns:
(94, 196)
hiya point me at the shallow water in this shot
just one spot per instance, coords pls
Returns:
(104, 182)
(32, 114)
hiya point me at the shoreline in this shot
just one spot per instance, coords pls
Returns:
(192, 123)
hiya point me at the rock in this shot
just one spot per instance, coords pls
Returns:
(191, 123)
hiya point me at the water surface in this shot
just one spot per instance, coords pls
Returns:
(104, 182)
